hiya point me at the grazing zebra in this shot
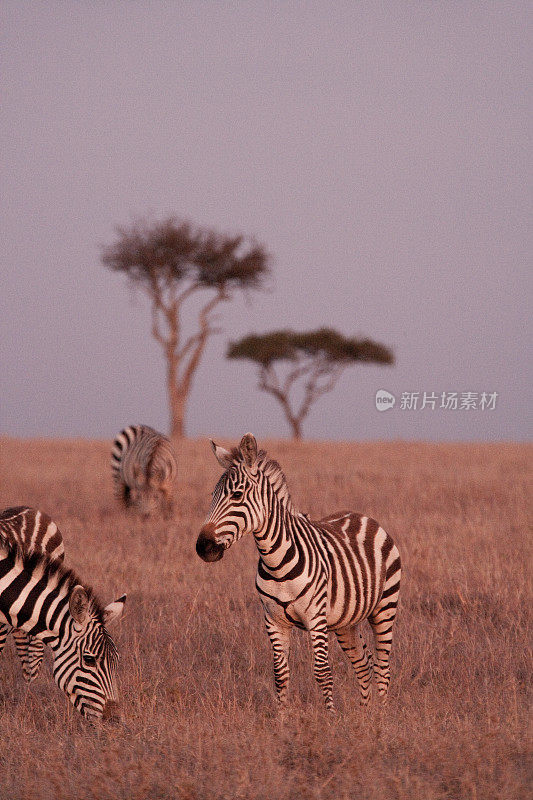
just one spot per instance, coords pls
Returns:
(47, 600)
(319, 576)
(144, 469)
(33, 532)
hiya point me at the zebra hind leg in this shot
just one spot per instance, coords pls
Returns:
(382, 621)
(354, 646)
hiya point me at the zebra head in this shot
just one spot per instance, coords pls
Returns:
(237, 506)
(85, 656)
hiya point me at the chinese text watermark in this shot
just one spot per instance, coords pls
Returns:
(447, 401)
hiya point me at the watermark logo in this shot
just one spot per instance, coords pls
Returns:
(449, 401)
(435, 401)
(384, 400)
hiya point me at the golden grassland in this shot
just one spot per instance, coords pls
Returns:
(198, 710)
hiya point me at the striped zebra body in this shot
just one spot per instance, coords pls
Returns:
(44, 599)
(326, 575)
(33, 532)
(144, 469)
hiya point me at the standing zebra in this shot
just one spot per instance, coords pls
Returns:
(144, 469)
(47, 600)
(33, 532)
(320, 576)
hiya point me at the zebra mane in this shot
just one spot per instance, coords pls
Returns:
(9, 513)
(274, 473)
(53, 571)
(276, 476)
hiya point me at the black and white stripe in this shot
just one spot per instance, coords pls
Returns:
(33, 532)
(47, 601)
(144, 469)
(326, 575)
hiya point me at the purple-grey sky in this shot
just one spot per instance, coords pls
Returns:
(380, 151)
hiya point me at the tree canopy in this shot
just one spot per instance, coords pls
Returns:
(172, 260)
(328, 344)
(172, 251)
(316, 358)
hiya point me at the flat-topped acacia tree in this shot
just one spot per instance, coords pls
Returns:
(311, 364)
(172, 261)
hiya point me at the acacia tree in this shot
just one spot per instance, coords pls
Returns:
(312, 362)
(172, 261)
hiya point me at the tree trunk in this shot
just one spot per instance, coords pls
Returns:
(269, 384)
(296, 426)
(177, 402)
(176, 399)
(180, 371)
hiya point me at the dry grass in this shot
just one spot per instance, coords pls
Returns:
(199, 717)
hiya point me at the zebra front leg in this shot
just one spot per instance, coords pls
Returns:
(352, 643)
(21, 640)
(5, 630)
(319, 641)
(30, 651)
(279, 636)
(34, 659)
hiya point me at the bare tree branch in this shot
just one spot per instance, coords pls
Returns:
(201, 337)
(188, 292)
(296, 373)
(313, 390)
(317, 358)
(268, 381)
(156, 332)
(171, 261)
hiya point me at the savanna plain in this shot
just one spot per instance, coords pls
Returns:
(199, 718)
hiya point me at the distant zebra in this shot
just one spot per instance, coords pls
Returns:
(320, 576)
(144, 469)
(33, 532)
(46, 600)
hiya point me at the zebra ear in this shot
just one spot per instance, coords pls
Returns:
(223, 456)
(114, 610)
(248, 448)
(79, 605)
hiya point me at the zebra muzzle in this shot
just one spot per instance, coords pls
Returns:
(206, 546)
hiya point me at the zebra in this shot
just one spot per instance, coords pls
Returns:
(321, 575)
(144, 469)
(45, 599)
(34, 532)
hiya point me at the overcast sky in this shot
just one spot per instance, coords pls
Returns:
(380, 151)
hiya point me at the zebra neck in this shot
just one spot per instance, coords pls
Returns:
(275, 541)
(41, 610)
